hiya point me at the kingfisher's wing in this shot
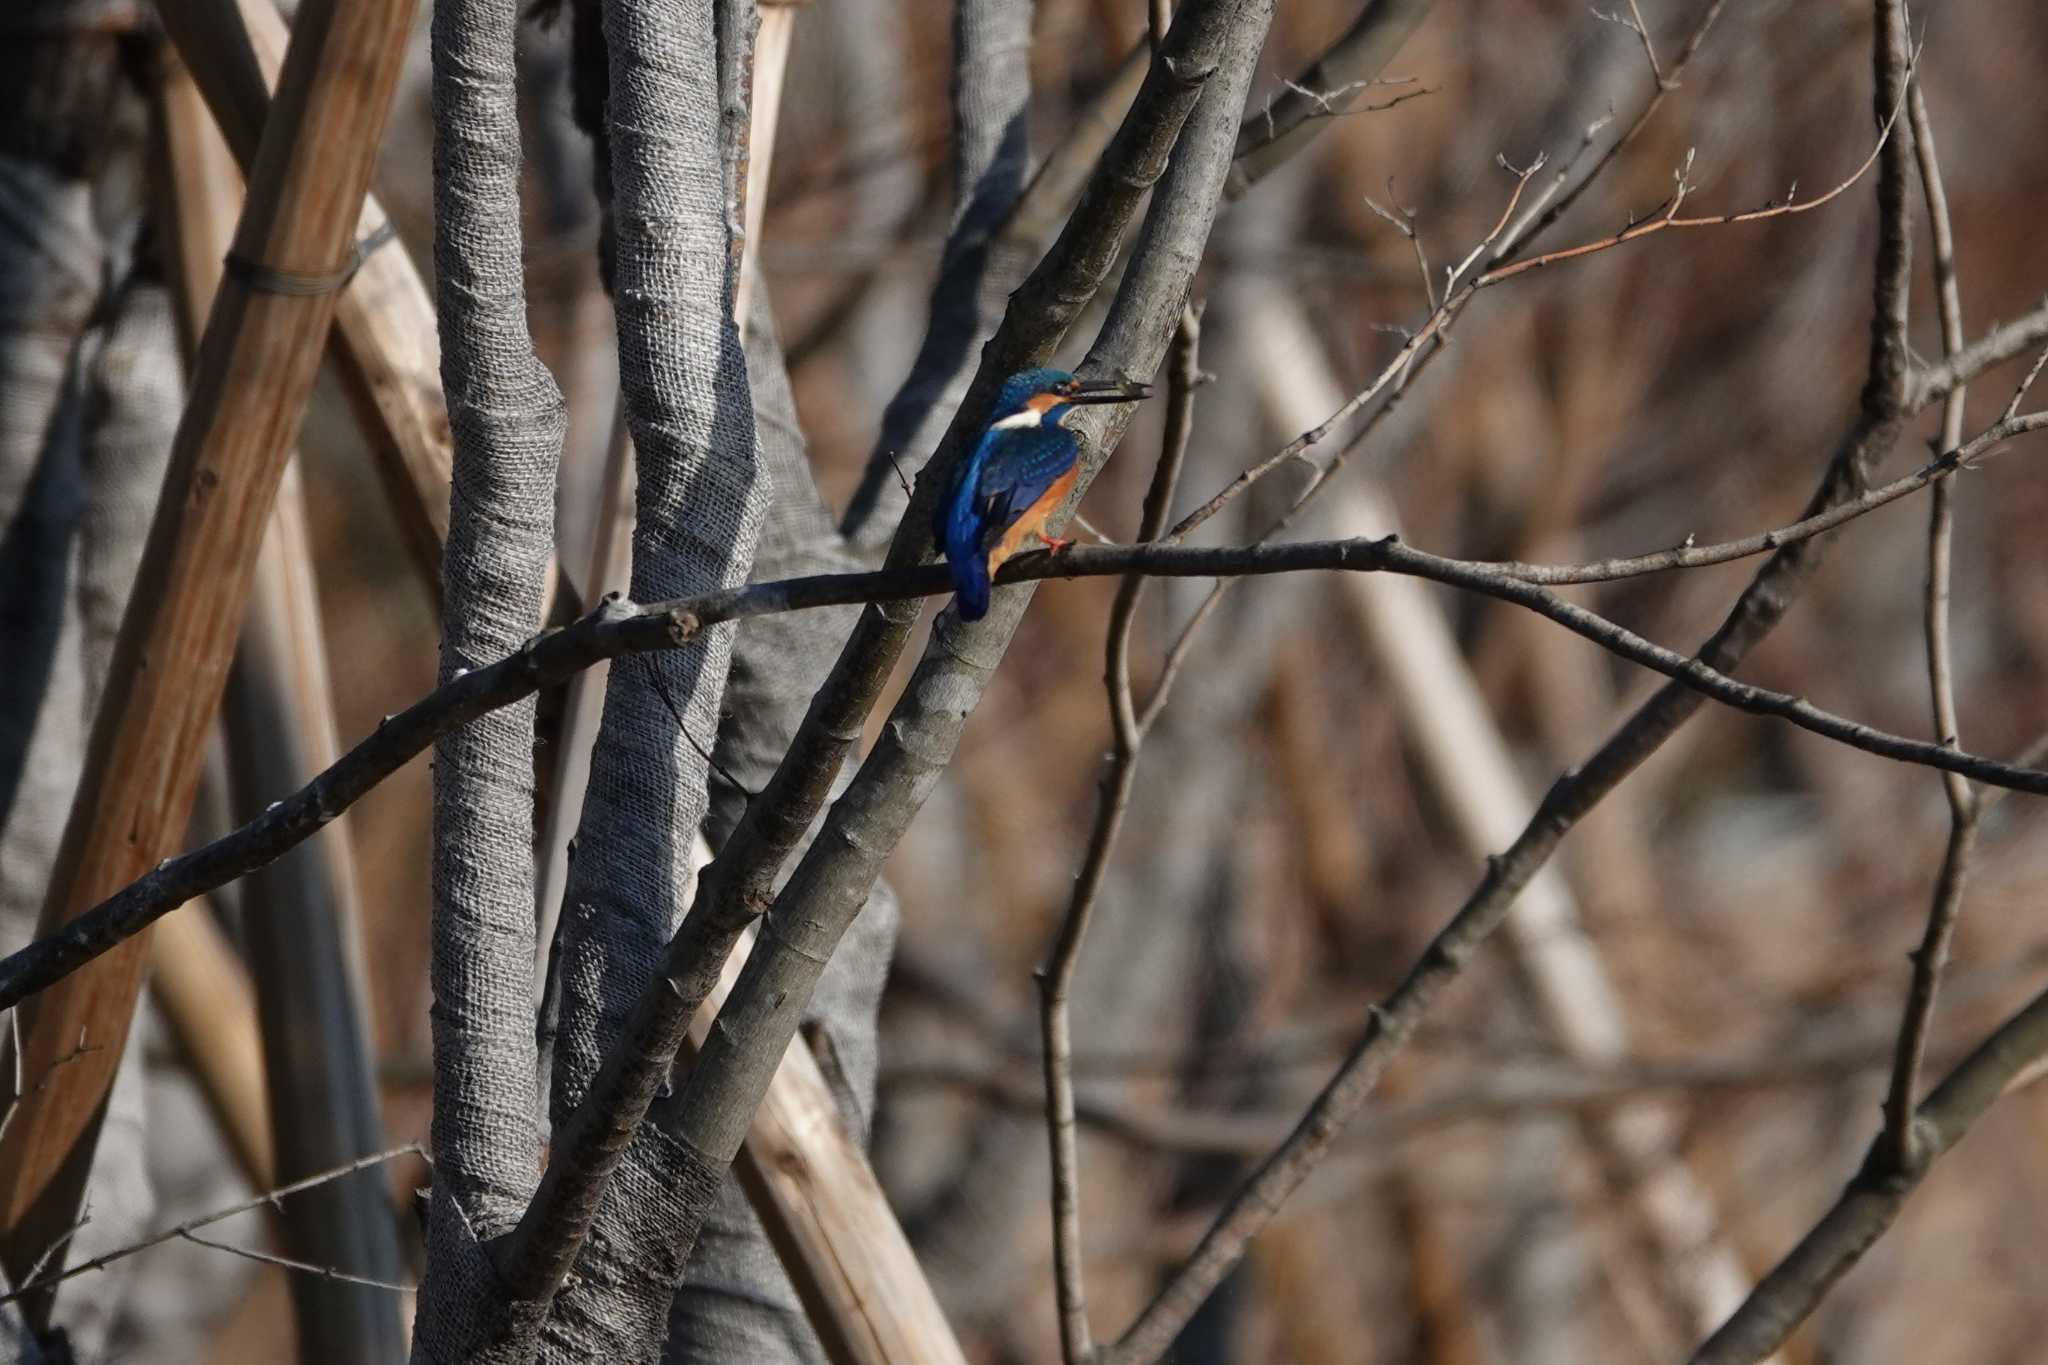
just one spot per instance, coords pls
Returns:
(1019, 469)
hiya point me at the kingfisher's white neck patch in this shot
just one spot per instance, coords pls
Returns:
(1030, 417)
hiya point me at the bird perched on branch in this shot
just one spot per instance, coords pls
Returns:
(999, 497)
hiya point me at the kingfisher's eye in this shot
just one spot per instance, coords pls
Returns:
(1064, 389)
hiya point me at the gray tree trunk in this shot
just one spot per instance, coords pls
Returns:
(700, 506)
(508, 420)
(89, 396)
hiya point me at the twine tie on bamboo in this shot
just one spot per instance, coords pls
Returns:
(301, 283)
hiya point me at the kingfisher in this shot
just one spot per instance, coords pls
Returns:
(1000, 496)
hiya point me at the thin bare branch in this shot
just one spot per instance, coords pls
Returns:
(1512, 1092)
(1421, 344)
(1995, 347)
(1916, 1022)
(1666, 215)
(1562, 192)
(1177, 655)
(1649, 48)
(325, 1272)
(2033, 373)
(1395, 373)
(1403, 221)
(1288, 123)
(1056, 978)
(1692, 556)
(272, 1198)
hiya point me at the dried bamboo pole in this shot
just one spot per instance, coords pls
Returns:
(389, 349)
(197, 976)
(255, 370)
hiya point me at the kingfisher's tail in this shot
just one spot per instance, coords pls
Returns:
(970, 586)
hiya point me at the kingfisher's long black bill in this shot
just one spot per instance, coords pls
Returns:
(1107, 391)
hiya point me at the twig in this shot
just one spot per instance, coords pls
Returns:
(1273, 135)
(1177, 654)
(675, 713)
(274, 1198)
(1547, 1087)
(1327, 103)
(325, 1272)
(1667, 215)
(1055, 979)
(1416, 351)
(1556, 199)
(1404, 223)
(58, 1243)
(2033, 373)
(1633, 22)
(1916, 1022)
(1184, 376)
(1874, 1197)
(1685, 556)
(1399, 368)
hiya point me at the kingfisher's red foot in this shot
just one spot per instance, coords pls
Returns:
(1053, 544)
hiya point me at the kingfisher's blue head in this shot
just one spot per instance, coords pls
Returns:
(1043, 397)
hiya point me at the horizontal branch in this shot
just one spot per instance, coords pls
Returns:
(619, 627)
(1516, 1092)
(1691, 556)
(2000, 344)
